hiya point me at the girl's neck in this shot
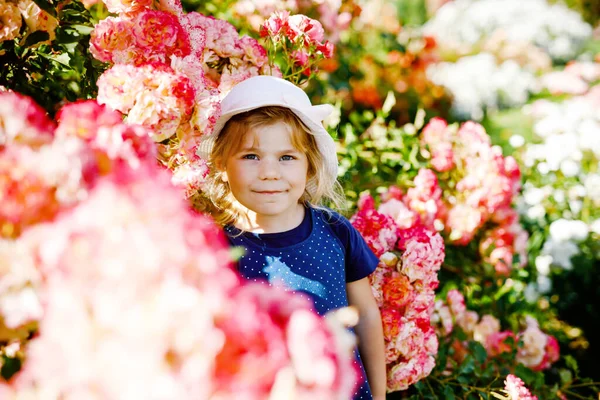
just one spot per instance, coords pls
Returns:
(266, 224)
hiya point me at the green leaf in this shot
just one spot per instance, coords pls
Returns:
(572, 364)
(420, 386)
(478, 352)
(448, 393)
(467, 367)
(62, 59)
(83, 29)
(565, 376)
(528, 376)
(36, 37)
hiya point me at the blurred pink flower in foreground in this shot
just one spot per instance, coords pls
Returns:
(132, 292)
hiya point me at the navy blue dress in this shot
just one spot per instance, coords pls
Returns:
(315, 259)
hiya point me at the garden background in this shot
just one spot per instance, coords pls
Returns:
(468, 137)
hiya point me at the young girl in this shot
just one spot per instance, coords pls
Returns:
(272, 165)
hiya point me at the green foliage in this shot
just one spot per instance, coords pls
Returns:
(57, 71)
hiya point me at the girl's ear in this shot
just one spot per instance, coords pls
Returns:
(221, 168)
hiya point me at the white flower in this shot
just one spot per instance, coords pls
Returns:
(558, 30)
(516, 141)
(561, 252)
(569, 168)
(544, 284)
(592, 186)
(478, 83)
(575, 206)
(534, 195)
(563, 230)
(536, 212)
(542, 264)
(559, 196)
(595, 226)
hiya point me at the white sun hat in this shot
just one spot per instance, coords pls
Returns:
(264, 90)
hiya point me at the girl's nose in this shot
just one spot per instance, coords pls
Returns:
(269, 169)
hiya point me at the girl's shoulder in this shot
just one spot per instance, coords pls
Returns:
(331, 217)
(338, 224)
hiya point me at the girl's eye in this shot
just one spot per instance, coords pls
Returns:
(250, 157)
(287, 158)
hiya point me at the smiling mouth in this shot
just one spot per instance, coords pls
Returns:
(269, 192)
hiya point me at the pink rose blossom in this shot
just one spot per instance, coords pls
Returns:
(435, 131)
(497, 343)
(274, 25)
(456, 302)
(425, 197)
(468, 322)
(442, 318)
(307, 29)
(423, 255)
(551, 355)
(377, 229)
(516, 390)
(404, 374)
(127, 6)
(327, 49)
(397, 291)
(221, 37)
(443, 158)
(402, 215)
(111, 40)
(300, 57)
(534, 346)
(254, 52)
(391, 320)
(163, 99)
(159, 35)
(23, 121)
(462, 223)
(486, 326)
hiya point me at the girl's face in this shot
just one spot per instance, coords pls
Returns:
(267, 174)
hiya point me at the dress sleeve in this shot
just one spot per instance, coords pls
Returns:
(360, 259)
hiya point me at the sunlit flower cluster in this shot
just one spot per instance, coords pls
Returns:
(332, 14)
(403, 285)
(45, 167)
(132, 293)
(533, 348)
(574, 79)
(301, 38)
(464, 24)
(484, 184)
(171, 71)
(561, 192)
(479, 83)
